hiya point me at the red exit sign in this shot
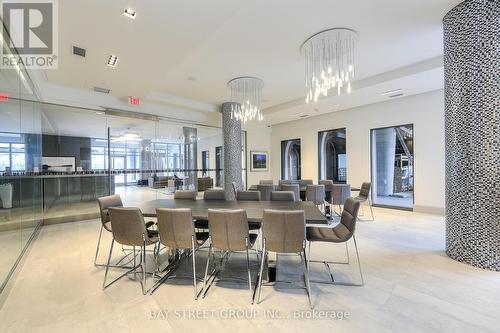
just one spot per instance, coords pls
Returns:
(4, 97)
(134, 100)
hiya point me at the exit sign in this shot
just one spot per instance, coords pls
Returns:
(4, 97)
(134, 101)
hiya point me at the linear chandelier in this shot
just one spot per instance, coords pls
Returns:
(329, 62)
(246, 91)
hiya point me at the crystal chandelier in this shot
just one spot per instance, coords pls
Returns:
(329, 62)
(246, 92)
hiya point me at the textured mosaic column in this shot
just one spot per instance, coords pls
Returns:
(190, 157)
(231, 130)
(472, 101)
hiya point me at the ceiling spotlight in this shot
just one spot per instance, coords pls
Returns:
(130, 13)
(112, 61)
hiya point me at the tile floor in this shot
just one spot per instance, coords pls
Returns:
(411, 286)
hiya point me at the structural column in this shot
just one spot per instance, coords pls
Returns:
(190, 157)
(472, 121)
(231, 130)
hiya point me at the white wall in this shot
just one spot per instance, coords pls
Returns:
(425, 112)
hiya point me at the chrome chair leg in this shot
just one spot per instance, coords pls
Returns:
(107, 266)
(359, 261)
(98, 245)
(259, 283)
(195, 283)
(210, 250)
(249, 274)
(303, 258)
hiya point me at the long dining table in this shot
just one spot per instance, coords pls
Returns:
(254, 209)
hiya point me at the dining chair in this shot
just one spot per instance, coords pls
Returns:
(284, 232)
(248, 195)
(185, 194)
(339, 194)
(328, 187)
(214, 194)
(305, 182)
(104, 204)
(266, 181)
(177, 232)
(295, 188)
(129, 229)
(341, 233)
(282, 196)
(364, 196)
(265, 191)
(229, 233)
(316, 194)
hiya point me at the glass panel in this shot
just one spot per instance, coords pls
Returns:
(332, 158)
(392, 166)
(290, 159)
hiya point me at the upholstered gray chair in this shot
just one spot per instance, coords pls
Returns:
(305, 182)
(364, 196)
(295, 188)
(284, 232)
(284, 181)
(104, 204)
(282, 196)
(248, 196)
(339, 194)
(185, 194)
(212, 194)
(177, 232)
(328, 188)
(129, 229)
(266, 181)
(265, 191)
(316, 194)
(228, 233)
(341, 233)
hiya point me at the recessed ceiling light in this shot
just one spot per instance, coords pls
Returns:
(192, 78)
(392, 92)
(112, 60)
(99, 112)
(130, 13)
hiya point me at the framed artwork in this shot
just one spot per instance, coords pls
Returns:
(259, 161)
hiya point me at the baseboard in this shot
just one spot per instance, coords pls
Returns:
(72, 218)
(429, 210)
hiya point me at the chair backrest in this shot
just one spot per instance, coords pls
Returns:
(295, 188)
(305, 182)
(316, 194)
(248, 195)
(211, 194)
(228, 229)
(365, 190)
(340, 193)
(327, 182)
(266, 181)
(104, 204)
(265, 191)
(128, 225)
(185, 194)
(282, 196)
(348, 218)
(285, 181)
(176, 227)
(284, 230)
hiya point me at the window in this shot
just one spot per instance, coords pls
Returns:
(12, 154)
(392, 166)
(290, 159)
(332, 158)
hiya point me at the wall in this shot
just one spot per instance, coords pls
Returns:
(258, 139)
(424, 111)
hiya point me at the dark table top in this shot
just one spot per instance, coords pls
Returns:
(254, 209)
(302, 188)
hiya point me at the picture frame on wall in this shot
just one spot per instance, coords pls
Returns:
(259, 161)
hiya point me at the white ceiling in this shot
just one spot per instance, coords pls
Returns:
(215, 41)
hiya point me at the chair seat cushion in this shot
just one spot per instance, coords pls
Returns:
(337, 234)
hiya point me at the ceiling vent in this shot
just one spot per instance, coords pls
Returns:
(396, 95)
(112, 60)
(101, 90)
(79, 51)
(393, 93)
(304, 116)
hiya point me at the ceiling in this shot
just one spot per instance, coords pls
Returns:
(190, 49)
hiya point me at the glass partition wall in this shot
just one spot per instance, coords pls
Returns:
(332, 155)
(392, 166)
(55, 161)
